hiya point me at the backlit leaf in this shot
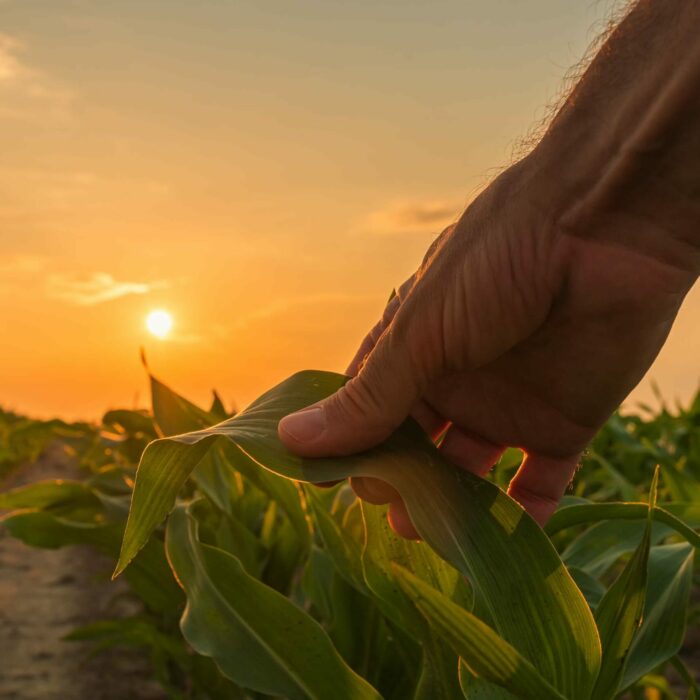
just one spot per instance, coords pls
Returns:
(663, 627)
(517, 577)
(486, 654)
(619, 613)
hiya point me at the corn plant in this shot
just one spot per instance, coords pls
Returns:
(256, 584)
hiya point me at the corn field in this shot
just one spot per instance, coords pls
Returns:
(253, 583)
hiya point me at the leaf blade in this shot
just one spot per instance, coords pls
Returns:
(468, 521)
(487, 654)
(258, 638)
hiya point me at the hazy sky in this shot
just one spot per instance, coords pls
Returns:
(264, 170)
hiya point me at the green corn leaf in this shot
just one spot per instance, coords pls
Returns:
(487, 655)
(174, 415)
(227, 532)
(357, 630)
(53, 493)
(476, 688)
(345, 552)
(217, 407)
(592, 589)
(682, 486)
(439, 676)
(383, 548)
(286, 553)
(258, 638)
(622, 485)
(130, 422)
(317, 581)
(600, 546)
(216, 479)
(518, 579)
(663, 629)
(681, 517)
(282, 491)
(368, 569)
(619, 613)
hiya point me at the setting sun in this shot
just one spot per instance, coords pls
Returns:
(159, 323)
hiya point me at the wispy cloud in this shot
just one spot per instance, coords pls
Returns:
(414, 217)
(27, 92)
(96, 288)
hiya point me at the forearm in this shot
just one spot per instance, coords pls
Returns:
(621, 160)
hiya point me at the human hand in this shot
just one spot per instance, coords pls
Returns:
(513, 332)
(531, 319)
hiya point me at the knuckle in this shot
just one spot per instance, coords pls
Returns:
(359, 400)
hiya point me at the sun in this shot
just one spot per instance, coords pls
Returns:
(159, 323)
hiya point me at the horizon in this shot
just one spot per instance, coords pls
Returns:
(264, 176)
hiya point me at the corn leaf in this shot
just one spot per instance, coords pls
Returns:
(682, 517)
(174, 414)
(439, 676)
(345, 552)
(517, 577)
(130, 422)
(663, 629)
(382, 549)
(53, 493)
(258, 638)
(600, 546)
(593, 590)
(217, 407)
(619, 613)
(682, 486)
(487, 655)
(282, 491)
(477, 688)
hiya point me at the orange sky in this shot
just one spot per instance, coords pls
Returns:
(267, 172)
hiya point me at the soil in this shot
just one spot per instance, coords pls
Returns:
(44, 594)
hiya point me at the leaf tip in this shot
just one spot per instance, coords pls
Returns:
(144, 361)
(653, 490)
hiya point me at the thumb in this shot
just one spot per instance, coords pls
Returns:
(365, 411)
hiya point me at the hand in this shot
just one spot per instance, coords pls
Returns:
(531, 319)
(512, 333)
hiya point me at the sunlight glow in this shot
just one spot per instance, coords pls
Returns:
(159, 323)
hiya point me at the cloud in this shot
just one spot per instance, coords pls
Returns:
(26, 92)
(95, 289)
(414, 217)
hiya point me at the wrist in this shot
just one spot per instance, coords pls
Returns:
(638, 191)
(621, 161)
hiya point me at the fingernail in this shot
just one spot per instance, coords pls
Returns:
(306, 425)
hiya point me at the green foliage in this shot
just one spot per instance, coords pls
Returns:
(259, 586)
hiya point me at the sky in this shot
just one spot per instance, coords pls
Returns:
(264, 171)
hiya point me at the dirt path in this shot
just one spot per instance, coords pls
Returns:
(44, 594)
